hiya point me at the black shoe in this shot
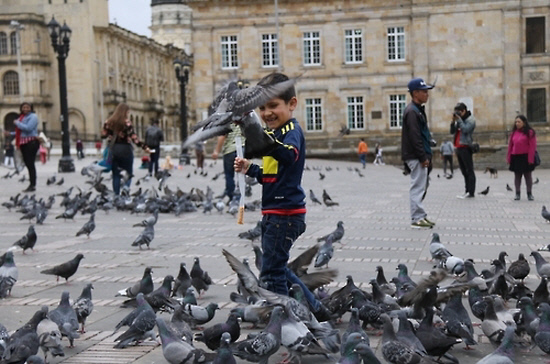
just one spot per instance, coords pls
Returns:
(30, 189)
(530, 197)
(323, 314)
(517, 197)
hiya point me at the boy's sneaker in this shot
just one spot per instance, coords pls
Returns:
(429, 222)
(422, 223)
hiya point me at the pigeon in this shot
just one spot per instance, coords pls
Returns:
(233, 104)
(543, 267)
(393, 350)
(325, 253)
(344, 130)
(49, 337)
(69, 213)
(178, 325)
(151, 220)
(542, 337)
(144, 285)
(51, 180)
(508, 188)
(545, 214)
(314, 198)
(28, 240)
(211, 336)
(174, 349)
(321, 176)
(65, 318)
(536, 181)
(141, 325)
(519, 269)
(88, 227)
(336, 235)
(34, 359)
(24, 342)
(197, 315)
(65, 270)
(8, 275)
(145, 237)
(355, 349)
(199, 278)
(159, 299)
(541, 293)
(438, 250)
(484, 192)
(252, 234)
(84, 306)
(504, 354)
(354, 327)
(433, 339)
(182, 282)
(458, 320)
(4, 337)
(263, 345)
(248, 282)
(224, 353)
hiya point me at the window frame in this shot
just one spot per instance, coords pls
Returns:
(395, 47)
(270, 50)
(528, 108)
(232, 52)
(308, 48)
(355, 110)
(352, 50)
(10, 87)
(316, 124)
(398, 102)
(527, 33)
(13, 43)
(3, 44)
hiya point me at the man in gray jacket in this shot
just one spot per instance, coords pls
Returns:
(462, 127)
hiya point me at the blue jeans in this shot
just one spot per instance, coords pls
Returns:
(154, 160)
(363, 159)
(123, 159)
(278, 234)
(229, 172)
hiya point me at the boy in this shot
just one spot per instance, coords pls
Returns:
(283, 199)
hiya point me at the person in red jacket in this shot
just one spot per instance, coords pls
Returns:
(521, 154)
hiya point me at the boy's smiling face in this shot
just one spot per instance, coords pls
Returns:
(276, 112)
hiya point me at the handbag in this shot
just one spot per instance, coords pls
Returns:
(537, 158)
(474, 147)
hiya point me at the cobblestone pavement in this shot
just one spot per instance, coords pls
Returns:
(373, 206)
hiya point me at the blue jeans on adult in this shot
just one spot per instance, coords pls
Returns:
(419, 180)
(154, 159)
(123, 159)
(363, 159)
(278, 234)
(229, 172)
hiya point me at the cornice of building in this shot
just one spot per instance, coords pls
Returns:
(23, 18)
(165, 2)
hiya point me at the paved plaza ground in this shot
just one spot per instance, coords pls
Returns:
(373, 206)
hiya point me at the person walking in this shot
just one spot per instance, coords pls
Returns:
(9, 152)
(26, 139)
(521, 155)
(120, 131)
(462, 127)
(362, 150)
(199, 153)
(153, 137)
(416, 151)
(378, 155)
(283, 198)
(447, 149)
(79, 149)
(226, 144)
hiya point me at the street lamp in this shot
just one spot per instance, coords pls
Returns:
(61, 36)
(14, 24)
(182, 74)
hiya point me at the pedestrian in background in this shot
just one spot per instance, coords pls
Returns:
(462, 127)
(416, 150)
(362, 150)
(226, 144)
(447, 149)
(521, 155)
(153, 137)
(9, 151)
(378, 155)
(199, 153)
(120, 131)
(26, 139)
(79, 149)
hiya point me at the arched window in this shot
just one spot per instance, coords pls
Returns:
(3, 43)
(13, 43)
(11, 83)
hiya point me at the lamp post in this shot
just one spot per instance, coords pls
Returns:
(60, 36)
(182, 74)
(14, 24)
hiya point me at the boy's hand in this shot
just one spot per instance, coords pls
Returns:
(241, 165)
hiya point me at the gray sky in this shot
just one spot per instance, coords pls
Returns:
(134, 15)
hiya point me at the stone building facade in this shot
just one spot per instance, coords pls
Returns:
(106, 65)
(355, 58)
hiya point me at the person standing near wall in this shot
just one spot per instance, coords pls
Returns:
(447, 149)
(462, 127)
(153, 137)
(521, 155)
(26, 139)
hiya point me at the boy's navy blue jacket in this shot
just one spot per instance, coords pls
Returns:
(281, 172)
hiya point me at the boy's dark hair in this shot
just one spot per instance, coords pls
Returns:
(461, 106)
(275, 78)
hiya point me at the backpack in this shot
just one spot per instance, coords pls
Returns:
(153, 137)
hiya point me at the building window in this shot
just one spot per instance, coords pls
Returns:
(13, 43)
(229, 52)
(535, 39)
(396, 44)
(356, 113)
(270, 50)
(353, 39)
(312, 49)
(314, 115)
(536, 105)
(397, 106)
(11, 83)
(3, 43)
